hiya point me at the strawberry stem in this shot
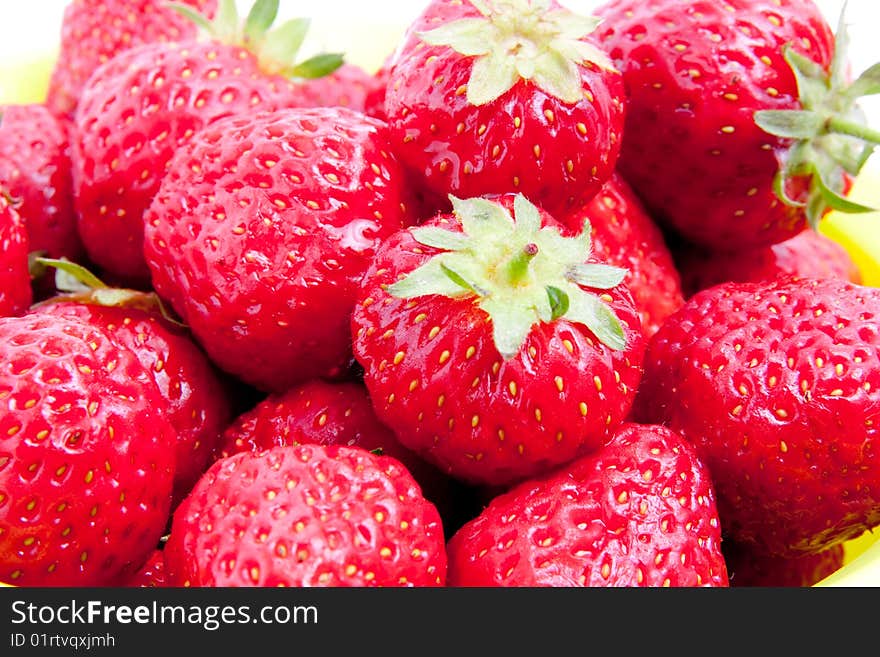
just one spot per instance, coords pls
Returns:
(844, 127)
(518, 267)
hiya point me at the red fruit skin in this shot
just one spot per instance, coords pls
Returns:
(348, 86)
(748, 569)
(262, 261)
(95, 31)
(527, 141)
(35, 170)
(86, 456)
(152, 575)
(624, 235)
(323, 413)
(639, 512)
(336, 517)
(777, 384)
(125, 141)
(192, 393)
(437, 379)
(696, 76)
(374, 103)
(15, 280)
(808, 255)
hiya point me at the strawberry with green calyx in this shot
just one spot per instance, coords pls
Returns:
(141, 106)
(741, 127)
(492, 345)
(500, 96)
(16, 294)
(195, 396)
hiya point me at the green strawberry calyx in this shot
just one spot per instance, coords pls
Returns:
(78, 284)
(276, 49)
(519, 272)
(517, 40)
(830, 136)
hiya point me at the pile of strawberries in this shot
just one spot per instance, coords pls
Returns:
(541, 303)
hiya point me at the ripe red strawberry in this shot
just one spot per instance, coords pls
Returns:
(746, 568)
(322, 413)
(493, 345)
(308, 515)
(140, 107)
(152, 575)
(374, 103)
(809, 255)
(193, 395)
(348, 86)
(640, 512)
(261, 231)
(778, 386)
(86, 455)
(737, 132)
(35, 170)
(95, 31)
(504, 96)
(315, 413)
(625, 236)
(15, 280)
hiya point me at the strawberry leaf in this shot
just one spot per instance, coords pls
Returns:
(260, 19)
(318, 66)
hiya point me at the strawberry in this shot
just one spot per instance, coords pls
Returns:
(625, 235)
(322, 413)
(308, 515)
(141, 106)
(152, 574)
(261, 231)
(778, 386)
(95, 31)
(808, 255)
(741, 128)
(15, 280)
(348, 86)
(504, 96)
(193, 395)
(316, 413)
(640, 512)
(35, 170)
(493, 345)
(374, 103)
(749, 569)
(86, 455)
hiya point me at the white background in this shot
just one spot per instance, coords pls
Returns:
(368, 29)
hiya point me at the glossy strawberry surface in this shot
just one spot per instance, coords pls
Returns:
(306, 516)
(778, 386)
(193, 396)
(746, 568)
(35, 170)
(640, 512)
(135, 113)
(696, 73)
(95, 31)
(559, 154)
(15, 281)
(808, 255)
(86, 455)
(626, 236)
(152, 575)
(437, 379)
(261, 231)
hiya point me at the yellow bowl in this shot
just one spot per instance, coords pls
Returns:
(27, 81)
